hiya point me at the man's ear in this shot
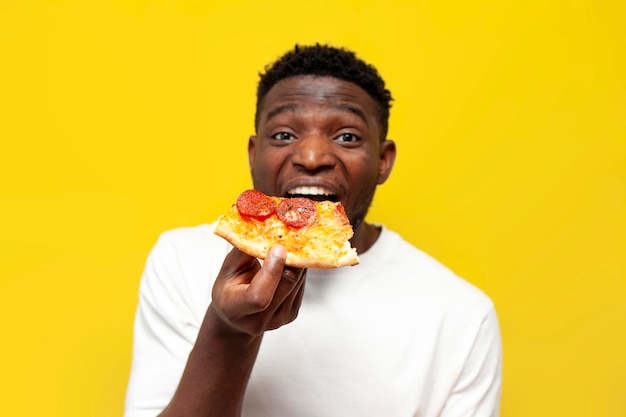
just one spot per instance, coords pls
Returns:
(251, 151)
(387, 159)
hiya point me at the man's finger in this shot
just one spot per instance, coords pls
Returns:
(261, 290)
(237, 263)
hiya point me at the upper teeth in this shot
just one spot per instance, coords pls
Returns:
(303, 190)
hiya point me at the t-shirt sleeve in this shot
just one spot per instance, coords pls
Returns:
(477, 391)
(164, 332)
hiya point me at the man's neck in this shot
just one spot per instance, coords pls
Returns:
(364, 237)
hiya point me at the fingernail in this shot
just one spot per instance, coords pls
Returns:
(279, 251)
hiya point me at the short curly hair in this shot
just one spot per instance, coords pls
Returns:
(326, 60)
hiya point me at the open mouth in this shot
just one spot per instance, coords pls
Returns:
(312, 192)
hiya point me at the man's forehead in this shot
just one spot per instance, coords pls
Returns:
(322, 84)
(296, 93)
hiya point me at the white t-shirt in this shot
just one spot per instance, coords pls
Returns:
(398, 335)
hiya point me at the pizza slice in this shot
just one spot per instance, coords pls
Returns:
(315, 234)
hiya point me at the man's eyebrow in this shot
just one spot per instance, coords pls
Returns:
(281, 109)
(353, 110)
(294, 109)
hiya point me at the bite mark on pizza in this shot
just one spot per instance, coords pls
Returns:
(315, 234)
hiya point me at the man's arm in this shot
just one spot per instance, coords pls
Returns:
(477, 391)
(247, 301)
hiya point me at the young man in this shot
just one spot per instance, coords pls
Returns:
(396, 335)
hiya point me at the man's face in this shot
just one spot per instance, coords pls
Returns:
(319, 137)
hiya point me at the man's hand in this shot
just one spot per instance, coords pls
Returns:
(250, 298)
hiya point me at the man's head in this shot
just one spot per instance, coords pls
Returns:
(324, 60)
(322, 136)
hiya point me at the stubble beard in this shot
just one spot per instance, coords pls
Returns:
(358, 219)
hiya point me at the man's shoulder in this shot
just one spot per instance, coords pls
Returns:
(193, 237)
(431, 275)
(191, 248)
(185, 261)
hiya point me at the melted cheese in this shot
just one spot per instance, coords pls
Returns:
(326, 238)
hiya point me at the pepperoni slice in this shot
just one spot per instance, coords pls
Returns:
(297, 212)
(253, 203)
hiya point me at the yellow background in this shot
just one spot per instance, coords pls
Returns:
(121, 119)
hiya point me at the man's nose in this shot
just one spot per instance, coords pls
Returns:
(314, 152)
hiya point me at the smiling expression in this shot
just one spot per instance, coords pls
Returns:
(319, 137)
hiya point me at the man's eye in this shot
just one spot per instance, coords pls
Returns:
(348, 137)
(283, 136)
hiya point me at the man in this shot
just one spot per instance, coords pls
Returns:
(216, 332)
